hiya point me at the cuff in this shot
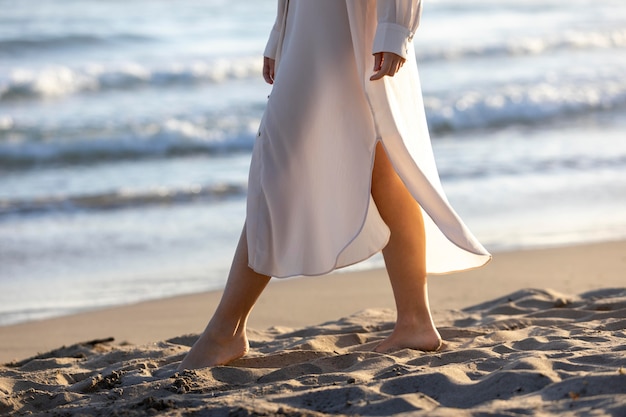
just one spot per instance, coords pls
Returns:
(272, 44)
(391, 37)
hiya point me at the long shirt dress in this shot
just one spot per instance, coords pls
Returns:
(309, 208)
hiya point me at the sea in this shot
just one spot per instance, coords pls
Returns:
(126, 129)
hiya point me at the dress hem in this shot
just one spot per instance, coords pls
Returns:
(336, 266)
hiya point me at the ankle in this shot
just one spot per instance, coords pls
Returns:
(221, 337)
(225, 330)
(412, 321)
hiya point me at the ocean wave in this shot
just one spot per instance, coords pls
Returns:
(234, 131)
(121, 199)
(33, 44)
(59, 81)
(523, 104)
(567, 41)
(27, 146)
(533, 166)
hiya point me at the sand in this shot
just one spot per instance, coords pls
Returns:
(528, 351)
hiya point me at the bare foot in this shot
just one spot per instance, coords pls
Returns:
(425, 339)
(209, 351)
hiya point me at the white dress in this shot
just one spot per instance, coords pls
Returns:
(310, 208)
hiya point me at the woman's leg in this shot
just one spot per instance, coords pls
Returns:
(224, 338)
(405, 258)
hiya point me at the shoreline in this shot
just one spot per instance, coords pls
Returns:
(308, 301)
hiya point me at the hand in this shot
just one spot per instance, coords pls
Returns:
(268, 69)
(386, 63)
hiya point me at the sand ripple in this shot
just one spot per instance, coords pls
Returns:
(533, 352)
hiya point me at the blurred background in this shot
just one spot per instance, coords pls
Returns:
(126, 130)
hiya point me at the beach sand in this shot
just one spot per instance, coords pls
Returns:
(538, 332)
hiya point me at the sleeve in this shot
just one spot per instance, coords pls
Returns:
(271, 48)
(397, 23)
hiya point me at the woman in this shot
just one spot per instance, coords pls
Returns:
(342, 168)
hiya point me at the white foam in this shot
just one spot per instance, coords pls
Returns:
(523, 103)
(167, 137)
(57, 81)
(569, 40)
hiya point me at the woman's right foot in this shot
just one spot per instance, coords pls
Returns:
(426, 338)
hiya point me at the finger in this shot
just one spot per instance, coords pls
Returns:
(377, 76)
(378, 60)
(381, 72)
(272, 70)
(379, 66)
(387, 68)
(393, 68)
(268, 70)
(391, 64)
(396, 65)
